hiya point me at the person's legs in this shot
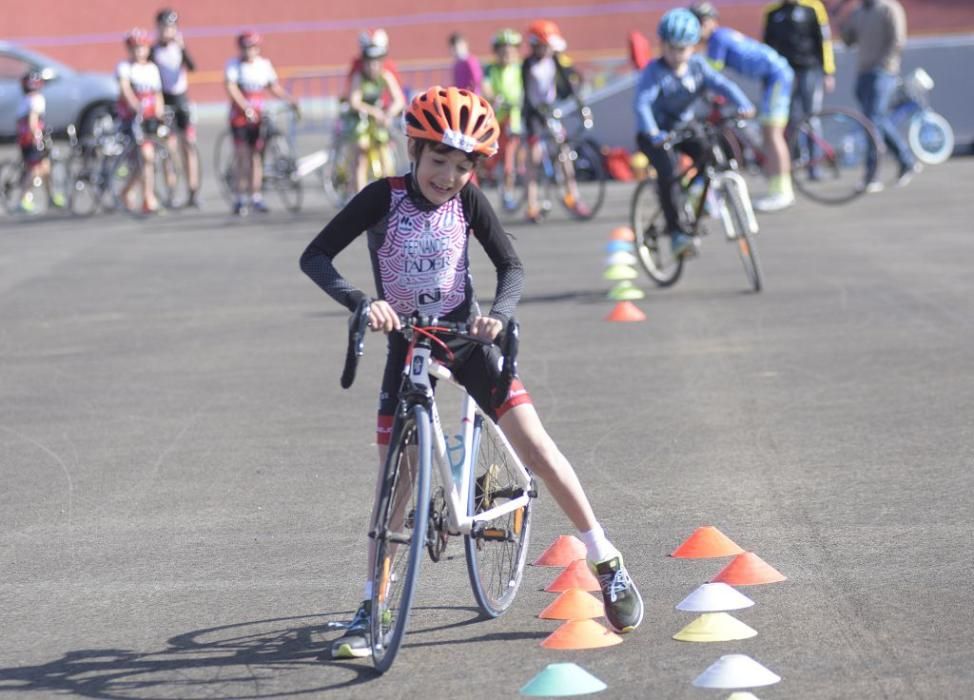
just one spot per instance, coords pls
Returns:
(775, 108)
(522, 427)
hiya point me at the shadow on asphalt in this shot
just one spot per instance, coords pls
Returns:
(262, 658)
(256, 659)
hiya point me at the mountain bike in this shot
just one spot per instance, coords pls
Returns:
(384, 152)
(829, 152)
(280, 170)
(929, 135)
(485, 494)
(571, 169)
(708, 186)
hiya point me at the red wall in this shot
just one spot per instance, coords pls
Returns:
(316, 34)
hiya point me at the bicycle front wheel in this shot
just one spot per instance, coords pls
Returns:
(10, 176)
(832, 154)
(734, 201)
(400, 533)
(281, 172)
(652, 242)
(496, 553)
(931, 137)
(223, 166)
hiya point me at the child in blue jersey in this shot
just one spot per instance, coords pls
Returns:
(667, 90)
(752, 59)
(419, 227)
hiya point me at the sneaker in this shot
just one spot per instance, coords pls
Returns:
(354, 644)
(623, 604)
(774, 202)
(193, 201)
(26, 205)
(872, 186)
(240, 209)
(534, 215)
(510, 202)
(683, 245)
(907, 173)
(258, 206)
(58, 201)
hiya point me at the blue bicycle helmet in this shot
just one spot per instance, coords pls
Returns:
(679, 27)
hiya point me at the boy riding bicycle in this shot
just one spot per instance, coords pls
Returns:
(375, 99)
(418, 229)
(666, 93)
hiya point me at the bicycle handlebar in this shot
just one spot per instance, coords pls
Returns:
(507, 340)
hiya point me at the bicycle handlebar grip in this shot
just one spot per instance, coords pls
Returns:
(509, 347)
(356, 342)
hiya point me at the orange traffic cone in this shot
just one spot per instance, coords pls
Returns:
(573, 604)
(581, 634)
(622, 233)
(748, 569)
(706, 542)
(562, 552)
(626, 311)
(576, 575)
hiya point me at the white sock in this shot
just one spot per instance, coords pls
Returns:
(367, 594)
(597, 545)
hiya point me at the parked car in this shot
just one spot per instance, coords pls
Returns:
(86, 100)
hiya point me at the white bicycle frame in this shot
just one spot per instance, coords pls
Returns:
(732, 179)
(420, 367)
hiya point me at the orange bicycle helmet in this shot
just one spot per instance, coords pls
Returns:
(547, 33)
(454, 117)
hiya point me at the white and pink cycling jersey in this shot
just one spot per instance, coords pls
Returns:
(253, 78)
(146, 83)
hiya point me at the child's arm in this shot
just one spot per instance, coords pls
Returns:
(647, 92)
(398, 102)
(497, 243)
(364, 211)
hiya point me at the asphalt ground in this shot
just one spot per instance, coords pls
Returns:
(185, 486)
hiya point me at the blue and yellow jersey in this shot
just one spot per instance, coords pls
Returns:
(749, 57)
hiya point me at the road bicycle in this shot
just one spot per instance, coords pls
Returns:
(478, 488)
(89, 171)
(125, 170)
(708, 186)
(829, 152)
(929, 135)
(13, 174)
(571, 170)
(280, 169)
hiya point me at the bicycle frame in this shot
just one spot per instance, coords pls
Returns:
(418, 369)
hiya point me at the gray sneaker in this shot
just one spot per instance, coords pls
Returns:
(623, 604)
(354, 644)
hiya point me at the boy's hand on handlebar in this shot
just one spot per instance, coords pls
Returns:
(486, 328)
(749, 113)
(382, 317)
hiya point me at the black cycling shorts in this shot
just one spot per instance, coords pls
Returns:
(181, 111)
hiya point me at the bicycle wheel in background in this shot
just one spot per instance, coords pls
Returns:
(743, 233)
(281, 172)
(223, 165)
(10, 185)
(830, 154)
(400, 534)
(585, 159)
(930, 136)
(652, 242)
(85, 187)
(496, 554)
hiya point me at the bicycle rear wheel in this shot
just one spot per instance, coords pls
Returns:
(400, 534)
(584, 159)
(85, 173)
(831, 153)
(10, 175)
(281, 172)
(496, 553)
(652, 242)
(931, 137)
(743, 236)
